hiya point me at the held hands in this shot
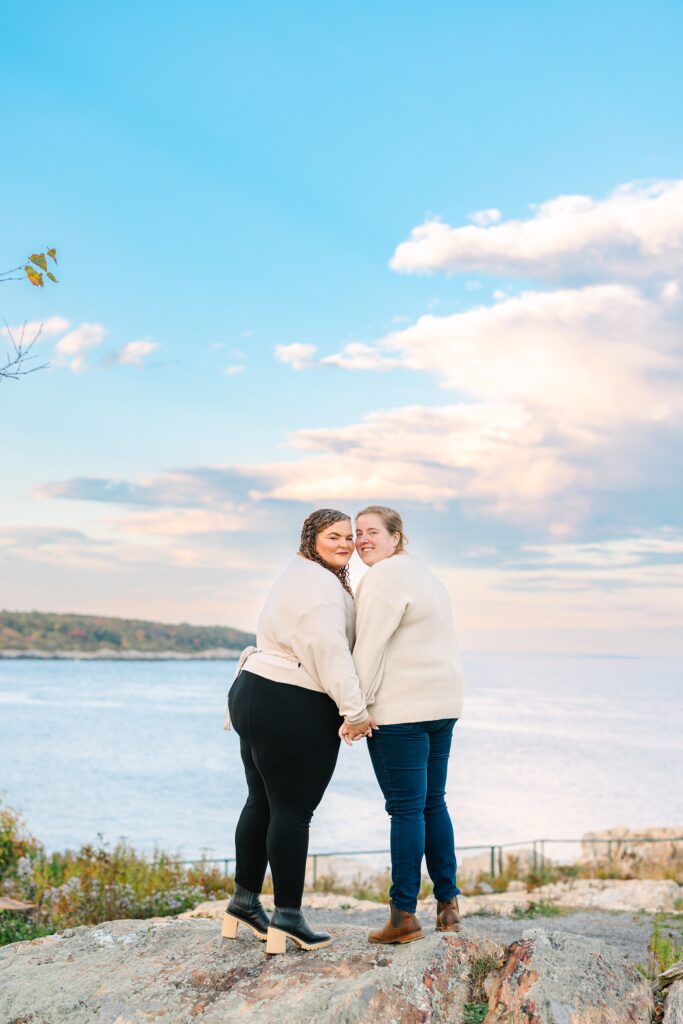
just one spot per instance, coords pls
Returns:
(362, 730)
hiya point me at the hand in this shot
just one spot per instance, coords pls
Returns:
(361, 730)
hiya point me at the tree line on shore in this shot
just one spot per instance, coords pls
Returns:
(48, 632)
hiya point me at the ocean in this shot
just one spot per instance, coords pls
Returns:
(548, 747)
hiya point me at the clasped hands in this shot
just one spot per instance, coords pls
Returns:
(362, 730)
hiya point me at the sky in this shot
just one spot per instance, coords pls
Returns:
(326, 255)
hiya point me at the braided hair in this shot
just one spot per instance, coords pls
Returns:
(315, 524)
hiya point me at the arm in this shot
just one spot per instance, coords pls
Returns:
(321, 645)
(377, 619)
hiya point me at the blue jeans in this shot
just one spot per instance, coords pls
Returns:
(411, 764)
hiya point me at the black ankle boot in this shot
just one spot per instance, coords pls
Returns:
(245, 908)
(290, 923)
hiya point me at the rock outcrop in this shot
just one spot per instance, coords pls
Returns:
(673, 1010)
(646, 895)
(558, 978)
(671, 981)
(625, 853)
(170, 971)
(127, 972)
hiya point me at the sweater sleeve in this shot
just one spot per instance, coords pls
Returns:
(321, 645)
(377, 619)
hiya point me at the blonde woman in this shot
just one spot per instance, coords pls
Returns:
(286, 704)
(407, 659)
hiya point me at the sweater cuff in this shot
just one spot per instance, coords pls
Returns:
(355, 719)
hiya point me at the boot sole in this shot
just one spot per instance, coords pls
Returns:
(277, 942)
(394, 942)
(232, 923)
(448, 928)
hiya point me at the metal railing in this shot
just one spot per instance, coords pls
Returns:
(495, 852)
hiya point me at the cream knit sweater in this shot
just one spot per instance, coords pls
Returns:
(305, 634)
(406, 652)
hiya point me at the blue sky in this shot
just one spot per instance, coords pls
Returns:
(242, 195)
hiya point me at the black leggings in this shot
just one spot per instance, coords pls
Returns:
(289, 746)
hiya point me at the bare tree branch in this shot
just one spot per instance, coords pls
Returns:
(19, 355)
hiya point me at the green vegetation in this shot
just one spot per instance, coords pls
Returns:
(665, 947)
(50, 633)
(540, 908)
(17, 928)
(375, 889)
(474, 1013)
(517, 869)
(94, 884)
(481, 968)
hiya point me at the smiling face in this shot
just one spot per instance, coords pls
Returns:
(373, 540)
(334, 544)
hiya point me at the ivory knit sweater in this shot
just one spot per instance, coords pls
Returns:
(305, 634)
(406, 652)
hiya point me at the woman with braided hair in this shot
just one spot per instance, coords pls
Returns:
(290, 696)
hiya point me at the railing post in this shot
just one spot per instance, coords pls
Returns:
(500, 861)
(493, 862)
(534, 857)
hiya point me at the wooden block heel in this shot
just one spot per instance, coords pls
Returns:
(276, 941)
(231, 924)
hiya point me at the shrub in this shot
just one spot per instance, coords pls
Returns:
(17, 845)
(17, 928)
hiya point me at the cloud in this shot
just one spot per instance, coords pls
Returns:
(483, 218)
(183, 522)
(71, 348)
(560, 395)
(197, 487)
(135, 352)
(56, 546)
(298, 355)
(635, 232)
(557, 396)
(661, 547)
(585, 357)
(357, 356)
(43, 329)
(496, 456)
(233, 370)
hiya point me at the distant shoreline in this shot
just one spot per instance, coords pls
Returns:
(217, 654)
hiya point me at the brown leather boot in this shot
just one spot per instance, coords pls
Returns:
(401, 927)
(447, 915)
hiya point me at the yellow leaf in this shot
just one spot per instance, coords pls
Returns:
(39, 259)
(34, 277)
(52, 253)
(51, 276)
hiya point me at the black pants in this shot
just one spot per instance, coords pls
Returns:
(289, 746)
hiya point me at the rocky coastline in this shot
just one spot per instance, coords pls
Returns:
(107, 654)
(579, 967)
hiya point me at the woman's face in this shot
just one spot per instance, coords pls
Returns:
(373, 540)
(334, 544)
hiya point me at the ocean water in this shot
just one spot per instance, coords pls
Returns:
(548, 746)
